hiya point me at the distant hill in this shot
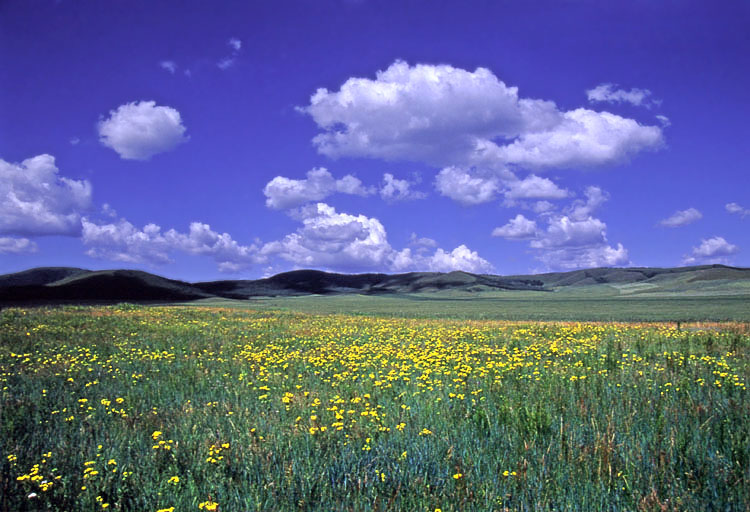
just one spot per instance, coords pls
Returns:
(304, 282)
(53, 285)
(75, 285)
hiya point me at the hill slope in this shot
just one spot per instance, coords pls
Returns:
(62, 284)
(76, 285)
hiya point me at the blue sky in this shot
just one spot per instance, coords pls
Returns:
(215, 140)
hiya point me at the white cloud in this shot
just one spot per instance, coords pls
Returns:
(682, 218)
(352, 243)
(168, 65)
(566, 232)
(582, 209)
(664, 120)
(711, 250)
(108, 211)
(16, 245)
(571, 240)
(534, 187)
(226, 63)
(517, 228)
(609, 94)
(202, 240)
(326, 239)
(74, 141)
(35, 200)
(333, 240)
(448, 117)
(460, 258)
(570, 258)
(122, 241)
(736, 209)
(398, 190)
(421, 242)
(229, 61)
(468, 186)
(542, 207)
(139, 130)
(582, 138)
(427, 113)
(284, 193)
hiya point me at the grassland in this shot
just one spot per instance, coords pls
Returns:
(231, 409)
(596, 303)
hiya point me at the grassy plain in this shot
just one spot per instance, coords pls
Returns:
(232, 409)
(596, 303)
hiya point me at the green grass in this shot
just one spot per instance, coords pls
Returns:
(269, 410)
(581, 305)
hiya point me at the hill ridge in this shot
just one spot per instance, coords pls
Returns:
(69, 284)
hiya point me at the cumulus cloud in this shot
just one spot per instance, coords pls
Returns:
(736, 209)
(334, 240)
(285, 193)
(609, 93)
(325, 239)
(542, 207)
(394, 189)
(460, 258)
(682, 218)
(168, 65)
(581, 138)
(451, 117)
(566, 232)
(571, 239)
(421, 242)
(427, 113)
(468, 186)
(517, 228)
(139, 130)
(583, 208)
(36, 200)
(570, 258)
(352, 243)
(10, 245)
(235, 44)
(122, 241)
(570, 243)
(711, 250)
(534, 187)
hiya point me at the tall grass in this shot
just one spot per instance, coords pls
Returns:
(131, 408)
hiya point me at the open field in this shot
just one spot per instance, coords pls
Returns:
(204, 408)
(590, 304)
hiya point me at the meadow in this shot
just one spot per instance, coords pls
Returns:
(169, 409)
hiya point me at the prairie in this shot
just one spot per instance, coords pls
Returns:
(211, 408)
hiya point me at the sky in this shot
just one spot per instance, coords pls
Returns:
(236, 140)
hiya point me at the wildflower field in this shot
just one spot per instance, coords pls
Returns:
(189, 408)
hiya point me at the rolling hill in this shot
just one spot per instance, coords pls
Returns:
(75, 285)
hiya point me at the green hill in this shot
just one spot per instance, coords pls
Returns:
(70, 285)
